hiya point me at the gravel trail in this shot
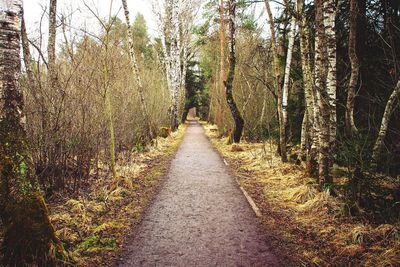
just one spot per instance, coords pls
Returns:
(200, 217)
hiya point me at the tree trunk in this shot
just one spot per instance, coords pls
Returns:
(136, 71)
(278, 82)
(329, 9)
(285, 91)
(29, 236)
(27, 58)
(323, 96)
(379, 143)
(51, 46)
(219, 114)
(351, 128)
(175, 63)
(237, 117)
(309, 92)
(108, 103)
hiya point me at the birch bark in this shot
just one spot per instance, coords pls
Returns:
(380, 140)
(136, 71)
(278, 82)
(29, 236)
(285, 91)
(329, 11)
(351, 128)
(323, 95)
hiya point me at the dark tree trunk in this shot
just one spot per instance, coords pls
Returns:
(237, 117)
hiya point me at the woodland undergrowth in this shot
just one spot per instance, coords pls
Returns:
(304, 225)
(94, 224)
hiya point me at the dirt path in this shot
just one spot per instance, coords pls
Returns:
(200, 217)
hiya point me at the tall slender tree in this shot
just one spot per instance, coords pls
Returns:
(220, 111)
(136, 71)
(351, 128)
(380, 140)
(276, 65)
(237, 117)
(323, 96)
(29, 236)
(286, 80)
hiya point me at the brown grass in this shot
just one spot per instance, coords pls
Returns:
(95, 225)
(306, 227)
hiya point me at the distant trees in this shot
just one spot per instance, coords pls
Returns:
(29, 236)
(175, 19)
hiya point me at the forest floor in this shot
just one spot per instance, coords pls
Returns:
(95, 223)
(308, 227)
(200, 217)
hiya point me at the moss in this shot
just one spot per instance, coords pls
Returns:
(95, 243)
(29, 235)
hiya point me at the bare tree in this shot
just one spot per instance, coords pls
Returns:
(29, 237)
(137, 73)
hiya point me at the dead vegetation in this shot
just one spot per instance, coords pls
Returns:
(94, 225)
(308, 227)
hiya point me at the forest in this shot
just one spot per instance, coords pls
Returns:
(227, 133)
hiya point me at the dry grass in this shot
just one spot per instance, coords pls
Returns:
(305, 226)
(95, 225)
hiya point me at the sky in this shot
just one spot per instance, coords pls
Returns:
(81, 18)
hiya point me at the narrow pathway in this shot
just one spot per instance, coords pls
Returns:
(200, 217)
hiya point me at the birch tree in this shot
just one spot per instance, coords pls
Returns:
(285, 91)
(237, 117)
(308, 124)
(169, 24)
(29, 236)
(324, 96)
(329, 13)
(136, 71)
(173, 8)
(380, 140)
(276, 65)
(351, 128)
(175, 19)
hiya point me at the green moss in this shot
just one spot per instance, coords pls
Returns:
(95, 243)
(29, 235)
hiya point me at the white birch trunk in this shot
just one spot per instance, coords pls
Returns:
(136, 71)
(29, 237)
(330, 35)
(277, 75)
(285, 90)
(380, 140)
